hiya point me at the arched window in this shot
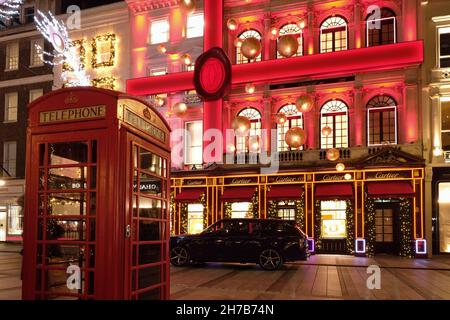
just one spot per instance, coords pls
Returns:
(334, 114)
(294, 30)
(294, 119)
(254, 134)
(244, 35)
(381, 121)
(333, 34)
(381, 30)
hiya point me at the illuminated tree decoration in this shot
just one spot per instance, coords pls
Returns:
(9, 8)
(105, 83)
(96, 42)
(80, 46)
(64, 51)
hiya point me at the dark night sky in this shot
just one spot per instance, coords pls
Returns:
(84, 4)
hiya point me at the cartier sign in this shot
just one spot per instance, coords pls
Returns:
(195, 182)
(331, 177)
(380, 175)
(289, 179)
(241, 180)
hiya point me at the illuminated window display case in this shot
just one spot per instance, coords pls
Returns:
(97, 194)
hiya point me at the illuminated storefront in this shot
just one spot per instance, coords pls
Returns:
(382, 206)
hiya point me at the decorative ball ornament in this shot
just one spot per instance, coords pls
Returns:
(301, 24)
(160, 101)
(333, 154)
(232, 24)
(187, 59)
(348, 176)
(250, 88)
(237, 42)
(179, 108)
(280, 118)
(327, 131)
(231, 148)
(287, 46)
(161, 48)
(304, 103)
(241, 125)
(274, 32)
(295, 137)
(251, 48)
(340, 167)
(187, 6)
(253, 143)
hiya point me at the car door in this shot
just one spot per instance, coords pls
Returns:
(243, 244)
(213, 241)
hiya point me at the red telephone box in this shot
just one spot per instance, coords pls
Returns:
(97, 198)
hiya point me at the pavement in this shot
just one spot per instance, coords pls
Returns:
(321, 277)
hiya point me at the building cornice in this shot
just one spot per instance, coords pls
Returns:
(138, 6)
(25, 81)
(441, 19)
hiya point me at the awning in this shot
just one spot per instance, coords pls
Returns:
(236, 194)
(334, 191)
(391, 189)
(285, 192)
(189, 195)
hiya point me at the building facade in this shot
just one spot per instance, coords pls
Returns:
(103, 45)
(23, 78)
(436, 115)
(373, 201)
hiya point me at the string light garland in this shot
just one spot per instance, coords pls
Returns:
(9, 8)
(55, 32)
(79, 45)
(111, 38)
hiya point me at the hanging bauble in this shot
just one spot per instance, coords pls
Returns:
(280, 118)
(348, 176)
(274, 32)
(179, 108)
(188, 6)
(186, 59)
(333, 154)
(232, 24)
(161, 48)
(253, 143)
(340, 167)
(241, 125)
(287, 45)
(327, 131)
(250, 88)
(231, 148)
(295, 137)
(251, 48)
(304, 103)
(301, 24)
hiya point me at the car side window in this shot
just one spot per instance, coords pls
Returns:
(240, 228)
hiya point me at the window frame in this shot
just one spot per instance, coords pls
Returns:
(196, 34)
(299, 35)
(12, 60)
(186, 143)
(333, 31)
(394, 17)
(442, 131)
(254, 121)
(385, 109)
(439, 57)
(238, 54)
(7, 157)
(36, 59)
(41, 90)
(334, 115)
(167, 32)
(7, 108)
(281, 144)
(23, 16)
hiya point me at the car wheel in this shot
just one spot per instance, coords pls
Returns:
(270, 259)
(179, 257)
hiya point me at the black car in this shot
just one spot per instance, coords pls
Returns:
(267, 242)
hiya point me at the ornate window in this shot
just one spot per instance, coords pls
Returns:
(381, 121)
(240, 58)
(444, 47)
(254, 134)
(381, 30)
(292, 29)
(294, 119)
(334, 114)
(333, 34)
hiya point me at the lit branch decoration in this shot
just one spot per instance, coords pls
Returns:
(64, 51)
(9, 8)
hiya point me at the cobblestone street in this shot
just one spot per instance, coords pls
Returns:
(321, 277)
